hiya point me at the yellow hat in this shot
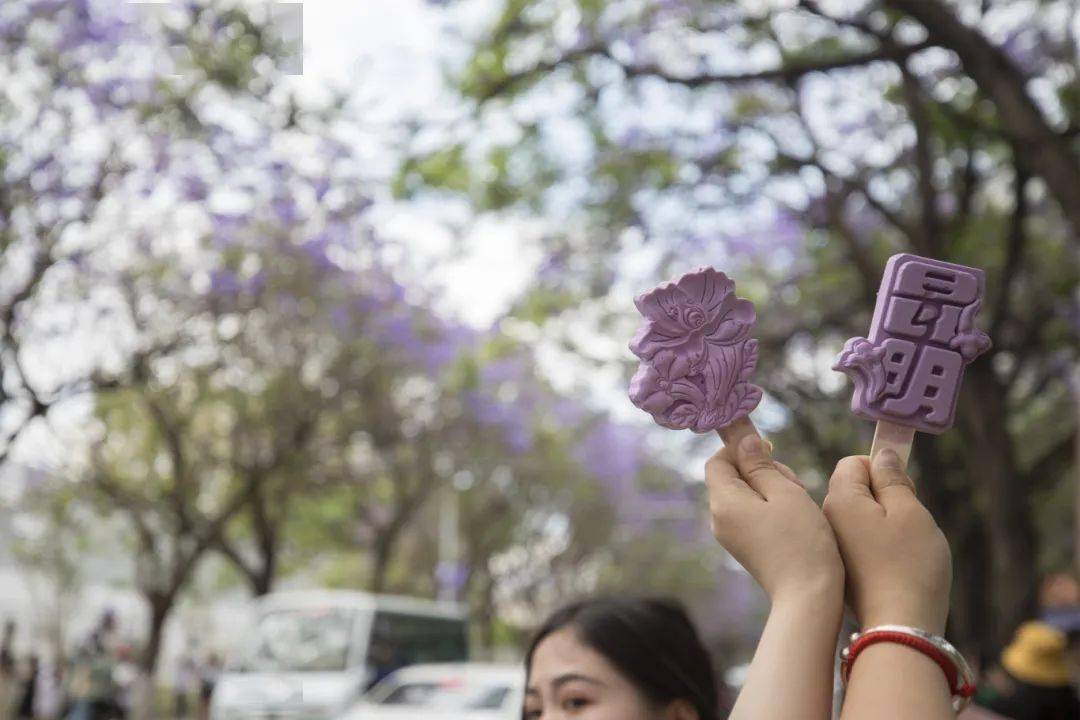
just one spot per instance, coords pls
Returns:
(1036, 655)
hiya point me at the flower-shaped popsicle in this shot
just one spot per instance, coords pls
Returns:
(696, 356)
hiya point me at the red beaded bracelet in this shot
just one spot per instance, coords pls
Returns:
(952, 663)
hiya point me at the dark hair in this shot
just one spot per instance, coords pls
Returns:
(650, 641)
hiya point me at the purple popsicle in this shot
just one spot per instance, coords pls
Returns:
(696, 356)
(907, 371)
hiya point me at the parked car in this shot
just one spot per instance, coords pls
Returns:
(312, 654)
(461, 691)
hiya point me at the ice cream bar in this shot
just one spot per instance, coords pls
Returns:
(908, 370)
(696, 355)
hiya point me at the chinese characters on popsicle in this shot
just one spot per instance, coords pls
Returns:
(908, 371)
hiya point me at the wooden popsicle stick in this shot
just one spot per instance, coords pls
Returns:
(736, 431)
(896, 437)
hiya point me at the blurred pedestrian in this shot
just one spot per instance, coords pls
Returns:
(92, 688)
(1033, 680)
(29, 689)
(183, 684)
(9, 675)
(208, 678)
(49, 696)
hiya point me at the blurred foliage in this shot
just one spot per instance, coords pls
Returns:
(265, 390)
(797, 146)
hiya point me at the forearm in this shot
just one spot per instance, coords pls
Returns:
(890, 681)
(791, 675)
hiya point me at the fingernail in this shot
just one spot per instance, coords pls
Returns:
(888, 458)
(751, 445)
(768, 446)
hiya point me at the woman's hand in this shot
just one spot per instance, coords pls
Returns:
(764, 517)
(898, 564)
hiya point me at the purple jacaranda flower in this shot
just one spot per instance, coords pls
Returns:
(502, 370)
(396, 331)
(321, 186)
(224, 282)
(817, 211)
(555, 266)
(519, 438)
(317, 251)
(101, 93)
(613, 453)
(452, 576)
(1027, 47)
(862, 218)
(288, 304)
(340, 318)
(42, 8)
(438, 355)
(632, 138)
(193, 188)
(785, 232)
(256, 282)
(226, 228)
(285, 210)
(568, 413)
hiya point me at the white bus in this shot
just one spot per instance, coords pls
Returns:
(311, 654)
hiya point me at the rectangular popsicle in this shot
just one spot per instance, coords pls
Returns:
(908, 370)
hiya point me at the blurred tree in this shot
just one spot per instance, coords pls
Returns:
(54, 533)
(264, 387)
(89, 109)
(132, 177)
(798, 145)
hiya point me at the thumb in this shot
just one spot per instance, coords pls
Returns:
(757, 468)
(888, 479)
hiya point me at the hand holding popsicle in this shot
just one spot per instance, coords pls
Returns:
(697, 358)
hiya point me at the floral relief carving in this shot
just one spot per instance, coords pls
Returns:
(696, 353)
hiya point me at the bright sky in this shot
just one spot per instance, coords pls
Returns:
(394, 50)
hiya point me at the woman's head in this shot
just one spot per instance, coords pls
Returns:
(615, 659)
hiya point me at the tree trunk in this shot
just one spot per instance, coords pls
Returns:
(941, 489)
(160, 606)
(262, 582)
(384, 544)
(267, 535)
(970, 615)
(485, 615)
(1046, 153)
(1007, 519)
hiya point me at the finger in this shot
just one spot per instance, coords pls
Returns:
(888, 480)
(722, 477)
(788, 473)
(757, 468)
(851, 477)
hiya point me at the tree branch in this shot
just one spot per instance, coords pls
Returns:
(1046, 153)
(924, 162)
(1014, 252)
(787, 73)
